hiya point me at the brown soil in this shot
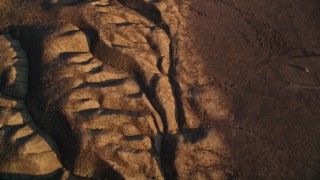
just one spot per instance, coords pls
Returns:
(168, 89)
(264, 55)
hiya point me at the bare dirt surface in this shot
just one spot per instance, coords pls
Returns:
(116, 89)
(264, 55)
(166, 89)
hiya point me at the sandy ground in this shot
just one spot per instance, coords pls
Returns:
(210, 89)
(264, 55)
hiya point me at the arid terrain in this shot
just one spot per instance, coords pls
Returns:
(159, 89)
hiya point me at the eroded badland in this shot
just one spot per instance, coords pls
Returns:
(159, 89)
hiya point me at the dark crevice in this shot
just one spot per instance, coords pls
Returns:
(35, 118)
(150, 94)
(103, 111)
(107, 83)
(151, 12)
(48, 122)
(57, 174)
(159, 65)
(108, 55)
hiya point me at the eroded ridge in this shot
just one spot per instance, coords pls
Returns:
(108, 91)
(147, 47)
(110, 122)
(24, 148)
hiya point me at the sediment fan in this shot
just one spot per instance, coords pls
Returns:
(110, 96)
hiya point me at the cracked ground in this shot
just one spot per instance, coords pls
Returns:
(159, 89)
